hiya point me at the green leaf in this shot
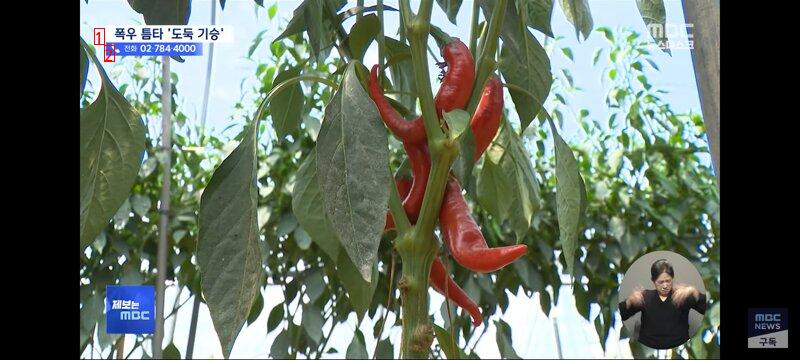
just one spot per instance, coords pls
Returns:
(286, 225)
(631, 246)
(84, 69)
(385, 349)
(568, 53)
(122, 215)
(298, 22)
(524, 64)
(105, 339)
(302, 238)
(286, 107)
(582, 302)
(697, 348)
(255, 311)
(402, 70)
(446, 342)
(537, 14)
(306, 201)
(607, 33)
(273, 9)
(361, 35)
(596, 56)
(457, 121)
(357, 349)
(172, 12)
(529, 275)
(713, 315)
(275, 317)
(91, 311)
(227, 247)
(450, 7)
(359, 291)
(280, 346)
(141, 204)
(315, 284)
(570, 195)
(171, 352)
(578, 14)
(653, 64)
(465, 162)
(319, 32)
(112, 145)
(355, 10)
(312, 322)
(616, 227)
(655, 17)
(524, 189)
(353, 173)
(503, 338)
(545, 302)
(493, 190)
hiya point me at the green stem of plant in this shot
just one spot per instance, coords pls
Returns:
(418, 247)
(485, 64)
(473, 29)
(406, 15)
(341, 34)
(442, 159)
(418, 38)
(401, 221)
(417, 253)
(284, 85)
(381, 45)
(119, 346)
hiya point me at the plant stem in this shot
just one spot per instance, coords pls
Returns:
(120, 346)
(418, 38)
(193, 327)
(417, 331)
(434, 192)
(341, 34)
(473, 29)
(166, 145)
(486, 63)
(380, 38)
(386, 310)
(401, 221)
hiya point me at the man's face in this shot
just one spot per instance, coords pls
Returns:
(663, 284)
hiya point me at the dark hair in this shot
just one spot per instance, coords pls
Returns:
(659, 267)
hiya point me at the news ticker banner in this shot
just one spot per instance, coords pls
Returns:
(158, 40)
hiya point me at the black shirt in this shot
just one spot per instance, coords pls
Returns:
(664, 325)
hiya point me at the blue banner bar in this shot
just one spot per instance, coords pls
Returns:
(156, 49)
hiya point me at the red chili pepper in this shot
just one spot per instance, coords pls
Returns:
(407, 131)
(438, 277)
(453, 93)
(420, 160)
(486, 120)
(465, 239)
(457, 82)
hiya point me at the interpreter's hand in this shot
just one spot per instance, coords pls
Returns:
(636, 299)
(682, 293)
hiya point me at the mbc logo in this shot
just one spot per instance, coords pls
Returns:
(768, 317)
(134, 315)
